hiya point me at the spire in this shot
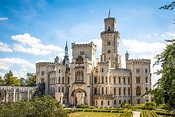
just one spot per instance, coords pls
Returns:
(109, 15)
(66, 50)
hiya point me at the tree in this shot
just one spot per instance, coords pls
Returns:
(31, 79)
(170, 6)
(10, 80)
(37, 107)
(2, 82)
(22, 82)
(166, 83)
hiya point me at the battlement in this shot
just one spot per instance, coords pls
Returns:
(45, 63)
(139, 61)
(91, 44)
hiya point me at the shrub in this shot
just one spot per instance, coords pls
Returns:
(126, 114)
(150, 105)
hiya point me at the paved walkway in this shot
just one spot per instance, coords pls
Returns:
(136, 114)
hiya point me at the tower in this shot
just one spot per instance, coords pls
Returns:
(110, 43)
(66, 57)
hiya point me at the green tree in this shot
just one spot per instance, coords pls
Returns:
(166, 83)
(22, 82)
(31, 79)
(38, 107)
(10, 80)
(2, 82)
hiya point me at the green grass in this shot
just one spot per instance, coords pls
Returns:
(93, 114)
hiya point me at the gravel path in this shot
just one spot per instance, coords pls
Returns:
(136, 114)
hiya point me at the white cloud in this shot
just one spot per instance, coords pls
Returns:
(3, 18)
(142, 47)
(27, 43)
(5, 48)
(7, 63)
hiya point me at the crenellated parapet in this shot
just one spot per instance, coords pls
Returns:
(45, 64)
(138, 61)
(91, 44)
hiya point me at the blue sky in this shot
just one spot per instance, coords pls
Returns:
(36, 30)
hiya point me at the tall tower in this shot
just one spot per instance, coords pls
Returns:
(110, 43)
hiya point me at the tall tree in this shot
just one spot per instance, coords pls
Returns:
(31, 79)
(2, 82)
(22, 82)
(167, 81)
(10, 80)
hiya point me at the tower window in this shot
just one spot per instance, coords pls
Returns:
(81, 52)
(108, 43)
(146, 70)
(109, 28)
(146, 80)
(79, 76)
(137, 70)
(137, 80)
(109, 51)
(42, 72)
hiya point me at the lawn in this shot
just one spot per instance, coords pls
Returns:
(93, 114)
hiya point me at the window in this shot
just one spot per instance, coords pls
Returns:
(120, 101)
(114, 80)
(79, 76)
(108, 102)
(63, 89)
(109, 51)
(119, 80)
(102, 91)
(102, 70)
(124, 91)
(146, 71)
(102, 80)
(114, 91)
(106, 90)
(108, 43)
(109, 28)
(95, 90)
(129, 91)
(124, 80)
(102, 103)
(81, 52)
(137, 70)
(106, 79)
(124, 101)
(95, 80)
(146, 89)
(146, 80)
(42, 73)
(119, 91)
(138, 101)
(129, 80)
(59, 70)
(59, 80)
(129, 101)
(114, 102)
(63, 80)
(137, 80)
(138, 91)
(42, 80)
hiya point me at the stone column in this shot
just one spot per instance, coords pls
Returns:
(14, 95)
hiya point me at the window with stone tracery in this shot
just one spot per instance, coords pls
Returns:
(79, 76)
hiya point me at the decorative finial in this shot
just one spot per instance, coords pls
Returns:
(109, 14)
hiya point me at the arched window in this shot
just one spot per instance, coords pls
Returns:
(79, 76)
(138, 91)
(102, 80)
(146, 89)
(109, 28)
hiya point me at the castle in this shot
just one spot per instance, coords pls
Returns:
(101, 83)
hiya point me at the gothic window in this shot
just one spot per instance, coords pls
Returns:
(79, 76)
(108, 102)
(114, 80)
(59, 80)
(123, 80)
(102, 80)
(138, 91)
(146, 80)
(106, 90)
(102, 91)
(42, 73)
(137, 70)
(62, 80)
(114, 102)
(137, 80)
(120, 101)
(109, 28)
(102, 70)
(106, 79)
(102, 103)
(128, 80)
(109, 51)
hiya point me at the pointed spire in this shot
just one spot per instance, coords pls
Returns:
(66, 50)
(109, 14)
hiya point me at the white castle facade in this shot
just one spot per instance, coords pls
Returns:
(101, 83)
